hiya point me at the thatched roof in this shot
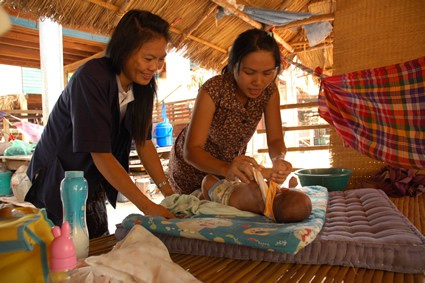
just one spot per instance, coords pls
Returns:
(195, 29)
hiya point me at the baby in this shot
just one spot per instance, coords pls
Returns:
(282, 205)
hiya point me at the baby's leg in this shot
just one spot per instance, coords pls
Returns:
(207, 184)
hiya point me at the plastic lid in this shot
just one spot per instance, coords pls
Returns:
(62, 250)
(74, 174)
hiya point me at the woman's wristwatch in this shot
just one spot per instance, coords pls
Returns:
(280, 156)
(162, 184)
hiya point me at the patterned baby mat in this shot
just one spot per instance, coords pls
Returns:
(210, 221)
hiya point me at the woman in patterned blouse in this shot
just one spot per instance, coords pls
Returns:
(227, 111)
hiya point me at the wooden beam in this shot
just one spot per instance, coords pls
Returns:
(18, 35)
(235, 11)
(225, 4)
(80, 41)
(299, 105)
(23, 53)
(68, 57)
(19, 43)
(77, 48)
(222, 50)
(313, 19)
(292, 149)
(19, 112)
(21, 62)
(23, 30)
(104, 4)
(198, 22)
(72, 67)
(299, 128)
(316, 47)
(296, 44)
(282, 42)
(30, 38)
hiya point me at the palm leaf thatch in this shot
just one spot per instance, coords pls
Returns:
(196, 31)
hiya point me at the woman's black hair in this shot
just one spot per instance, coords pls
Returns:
(248, 42)
(134, 29)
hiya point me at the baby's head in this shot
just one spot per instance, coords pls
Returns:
(291, 205)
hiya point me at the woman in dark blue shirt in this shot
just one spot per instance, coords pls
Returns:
(107, 103)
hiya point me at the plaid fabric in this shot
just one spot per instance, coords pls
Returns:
(380, 112)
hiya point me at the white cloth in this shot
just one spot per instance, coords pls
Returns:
(139, 257)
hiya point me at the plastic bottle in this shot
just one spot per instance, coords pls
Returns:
(74, 191)
(62, 255)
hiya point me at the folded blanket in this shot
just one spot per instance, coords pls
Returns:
(256, 231)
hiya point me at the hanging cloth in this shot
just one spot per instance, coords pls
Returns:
(380, 112)
(315, 32)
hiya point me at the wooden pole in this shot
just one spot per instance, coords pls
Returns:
(194, 27)
(311, 20)
(73, 66)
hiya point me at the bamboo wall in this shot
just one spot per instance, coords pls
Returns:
(377, 33)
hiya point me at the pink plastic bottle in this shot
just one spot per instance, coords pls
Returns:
(62, 254)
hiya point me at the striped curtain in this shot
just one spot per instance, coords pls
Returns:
(380, 112)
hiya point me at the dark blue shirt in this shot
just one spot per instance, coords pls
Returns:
(85, 119)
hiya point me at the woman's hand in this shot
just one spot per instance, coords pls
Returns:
(154, 209)
(241, 167)
(281, 170)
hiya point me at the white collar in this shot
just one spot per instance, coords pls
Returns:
(124, 97)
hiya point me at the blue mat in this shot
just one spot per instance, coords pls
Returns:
(257, 231)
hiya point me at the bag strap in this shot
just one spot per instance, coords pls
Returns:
(21, 242)
(43, 252)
